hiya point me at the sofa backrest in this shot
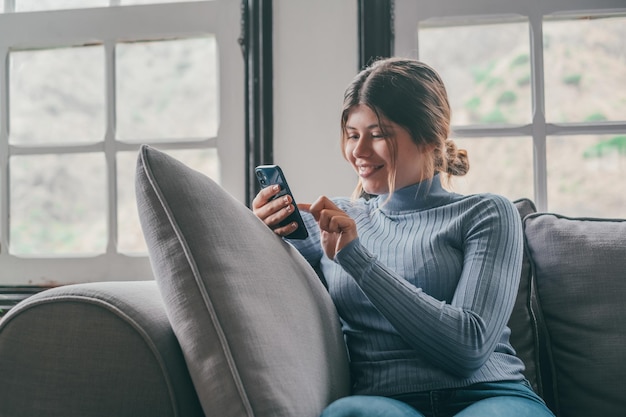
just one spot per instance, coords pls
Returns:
(579, 275)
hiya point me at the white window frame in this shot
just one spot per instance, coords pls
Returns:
(109, 25)
(409, 13)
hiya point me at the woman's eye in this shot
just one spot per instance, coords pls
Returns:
(353, 137)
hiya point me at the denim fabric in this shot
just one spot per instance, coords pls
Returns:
(369, 406)
(494, 399)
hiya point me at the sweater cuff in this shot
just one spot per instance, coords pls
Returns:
(355, 259)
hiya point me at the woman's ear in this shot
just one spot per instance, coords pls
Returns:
(427, 148)
(429, 153)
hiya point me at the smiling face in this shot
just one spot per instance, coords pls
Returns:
(381, 152)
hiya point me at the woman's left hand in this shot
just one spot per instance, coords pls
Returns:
(336, 227)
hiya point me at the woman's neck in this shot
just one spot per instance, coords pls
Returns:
(423, 195)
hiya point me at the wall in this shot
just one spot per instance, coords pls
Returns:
(315, 57)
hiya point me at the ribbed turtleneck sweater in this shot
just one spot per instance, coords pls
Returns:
(426, 290)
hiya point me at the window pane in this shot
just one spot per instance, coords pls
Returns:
(589, 179)
(585, 69)
(487, 74)
(57, 96)
(58, 204)
(38, 5)
(130, 237)
(497, 165)
(167, 90)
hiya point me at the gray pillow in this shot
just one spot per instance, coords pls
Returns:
(260, 335)
(580, 271)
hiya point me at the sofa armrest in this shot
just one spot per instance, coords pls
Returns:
(97, 349)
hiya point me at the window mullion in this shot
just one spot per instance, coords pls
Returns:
(4, 151)
(109, 145)
(539, 113)
(9, 6)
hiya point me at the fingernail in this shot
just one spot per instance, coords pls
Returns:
(276, 187)
(286, 200)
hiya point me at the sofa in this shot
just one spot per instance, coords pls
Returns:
(236, 323)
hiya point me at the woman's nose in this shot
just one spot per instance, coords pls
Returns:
(362, 148)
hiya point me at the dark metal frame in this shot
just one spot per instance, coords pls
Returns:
(376, 34)
(256, 45)
(376, 40)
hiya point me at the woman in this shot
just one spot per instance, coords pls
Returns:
(424, 279)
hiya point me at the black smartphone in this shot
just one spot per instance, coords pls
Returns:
(269, 175)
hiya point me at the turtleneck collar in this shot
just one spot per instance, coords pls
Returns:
(421, 196)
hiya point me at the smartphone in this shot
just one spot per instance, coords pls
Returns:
(269, 175)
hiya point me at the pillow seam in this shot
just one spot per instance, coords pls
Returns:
(205, 296)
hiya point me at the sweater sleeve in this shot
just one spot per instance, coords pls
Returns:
(310, 247)
(458, 336)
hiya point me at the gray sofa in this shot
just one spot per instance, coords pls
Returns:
(237, 324)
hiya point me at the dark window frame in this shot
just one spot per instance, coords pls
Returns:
(256, 46)
(375, 40)
(376, 33)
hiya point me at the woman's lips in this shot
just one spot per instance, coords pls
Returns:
(366, 171)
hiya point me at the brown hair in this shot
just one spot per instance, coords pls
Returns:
(412, 95)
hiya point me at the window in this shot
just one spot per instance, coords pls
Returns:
(537, 94)
(81, 90)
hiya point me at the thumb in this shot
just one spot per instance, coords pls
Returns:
(329, 243)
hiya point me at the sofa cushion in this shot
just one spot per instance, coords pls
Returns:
(522, 322)
(96, 349)
(580, 269)
(259, 332)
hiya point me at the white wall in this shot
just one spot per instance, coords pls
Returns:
(315, 57)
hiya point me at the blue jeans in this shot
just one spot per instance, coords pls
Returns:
(493, 399)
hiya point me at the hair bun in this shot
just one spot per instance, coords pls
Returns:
(456, 162)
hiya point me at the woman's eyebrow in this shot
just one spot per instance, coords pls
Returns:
(372, 126)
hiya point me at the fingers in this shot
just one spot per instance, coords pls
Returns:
(272, 210)
(322, 203)
(286, 230)
(264, 196)
(304, 207)
(336, 226)
(264, 205)
(330, 217)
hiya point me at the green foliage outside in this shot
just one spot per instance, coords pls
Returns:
(495, 116)
(595, 117)
(473, 104)
(493, 82)
(507, 97)
(573, 79)
(524, 80)
(602, 148)
(520, 60)
(39, 233)
(482, 73)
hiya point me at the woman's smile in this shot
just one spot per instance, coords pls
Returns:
(366, 171)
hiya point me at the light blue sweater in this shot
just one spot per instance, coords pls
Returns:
(427, 289)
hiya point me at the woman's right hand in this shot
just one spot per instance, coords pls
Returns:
(272, 212)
